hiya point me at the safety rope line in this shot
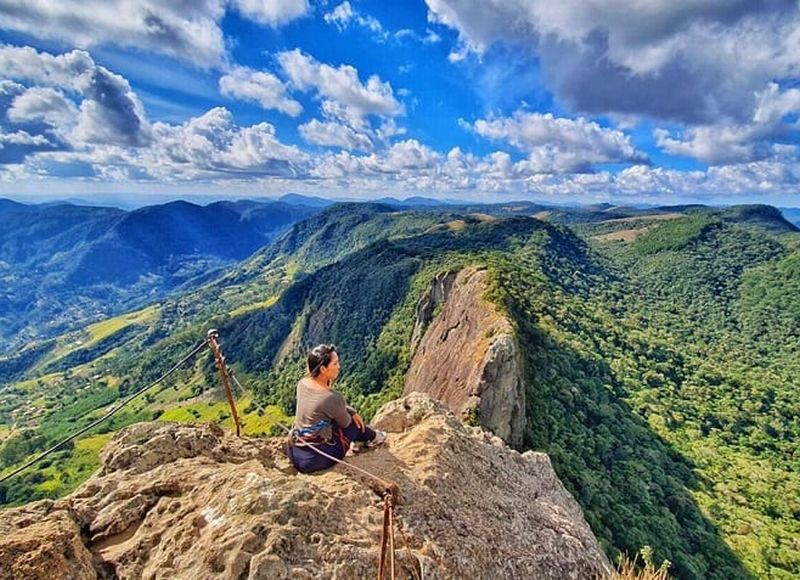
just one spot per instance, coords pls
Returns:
(390, 489)
(410, 554)
(108, 415)
(384, 539)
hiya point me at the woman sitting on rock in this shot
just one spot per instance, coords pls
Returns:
(323, 419)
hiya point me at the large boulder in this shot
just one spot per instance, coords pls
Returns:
(468, 357)
(188, 501)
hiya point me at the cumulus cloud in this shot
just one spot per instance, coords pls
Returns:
(87, 122)
(186, 29)
(348, 105)
(44, 69)
(728, 143)
(210, 147)
(333, 134)
(22, 138)
(560, 145)
(42, 104)
(213, 142)
(272, 12)
(692, 62)
(17, 145)
(401, 159)
(109, 113)
(261, 87)
(340, 85)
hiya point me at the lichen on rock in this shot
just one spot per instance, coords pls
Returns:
(193, 501)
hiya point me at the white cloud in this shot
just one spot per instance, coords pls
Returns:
(340, 16)
(405, 155)
(211, 147)
(43, 104)
(348, 105)
(401, 160)
(107, 135)
(430, 37)
(110, 111)
(559, 145)
(186, 29)
(261, 87)
(344, 14)
(333, 134)
(341, 85)
(726, 143)
(213, 143)
(22, 138)
(44, 69)
(272, 12)
(687, 61)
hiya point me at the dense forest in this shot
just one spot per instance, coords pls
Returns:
(659, 352)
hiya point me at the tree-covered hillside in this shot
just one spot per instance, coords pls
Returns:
(659, 356)
(63, 266)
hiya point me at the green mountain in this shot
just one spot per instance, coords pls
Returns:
(658, 348)
(63, 266)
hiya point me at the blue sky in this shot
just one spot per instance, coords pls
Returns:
(490, 100)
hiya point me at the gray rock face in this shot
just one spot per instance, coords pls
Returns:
(189, 501)
(468, 357)
(501, 394)
(437, 293)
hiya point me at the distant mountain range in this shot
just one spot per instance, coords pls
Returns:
(61, 258)
(792, 214)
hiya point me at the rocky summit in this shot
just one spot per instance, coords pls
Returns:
(186, 501)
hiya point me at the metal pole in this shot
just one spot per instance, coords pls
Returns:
(213, 335)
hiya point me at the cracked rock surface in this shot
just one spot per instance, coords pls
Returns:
(468, 357)
(193, 501)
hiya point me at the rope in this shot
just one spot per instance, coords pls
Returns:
(253, 400)
(108, 415)
(411, 554)
(384, 538)
(390, 489)
(391, 535)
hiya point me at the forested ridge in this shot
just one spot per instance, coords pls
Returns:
(661, 371)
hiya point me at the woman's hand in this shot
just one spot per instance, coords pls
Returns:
(358, 421)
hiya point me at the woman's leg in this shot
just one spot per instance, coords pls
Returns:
(353, 433)
(306, 460)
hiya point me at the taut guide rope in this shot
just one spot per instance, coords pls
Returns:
(390, 489)
(108, 415)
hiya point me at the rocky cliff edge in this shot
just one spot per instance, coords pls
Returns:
(468, 357)
(188, 501)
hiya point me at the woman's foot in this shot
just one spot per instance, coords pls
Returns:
(380, 439)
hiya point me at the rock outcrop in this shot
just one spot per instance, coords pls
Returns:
(185, 501)
(468, 357)
(438, 290)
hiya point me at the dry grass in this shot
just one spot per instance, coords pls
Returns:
(620, 236)
(484, 217)
(648, 217)
(641, 569)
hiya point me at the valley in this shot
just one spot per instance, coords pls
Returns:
(658, 356)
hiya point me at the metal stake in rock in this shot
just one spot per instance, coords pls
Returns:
(213, 335)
